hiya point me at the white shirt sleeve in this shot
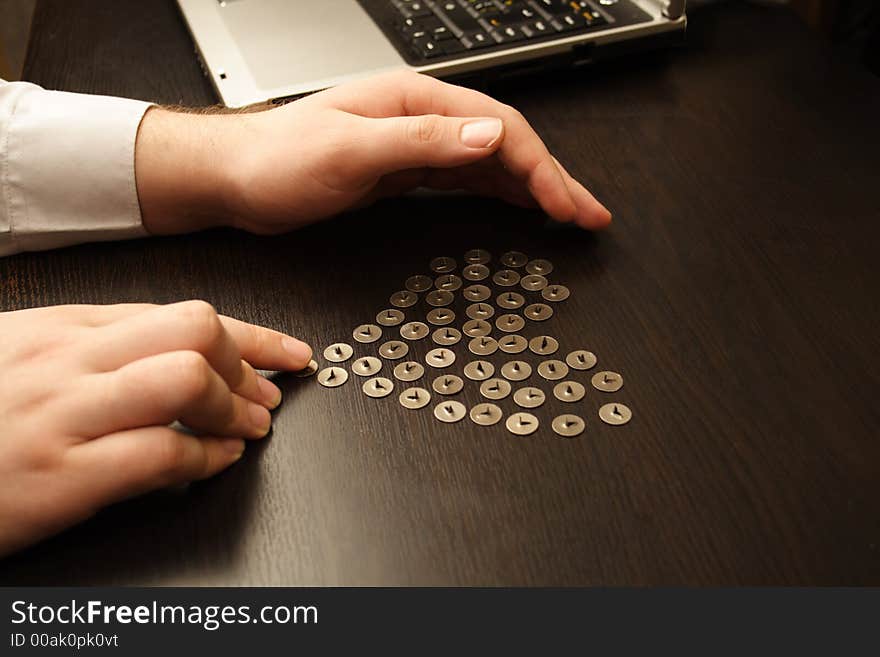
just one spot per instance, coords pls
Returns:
(66, 168)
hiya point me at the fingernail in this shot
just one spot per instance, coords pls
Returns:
(260, 419)
(234, 446)
(296, 348)
(481, 134)
(269, 391)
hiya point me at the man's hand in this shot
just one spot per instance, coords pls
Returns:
(272, 171)
(88, 392)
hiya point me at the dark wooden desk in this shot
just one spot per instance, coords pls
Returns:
(737, 292)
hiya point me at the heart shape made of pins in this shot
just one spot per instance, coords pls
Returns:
(496, 305)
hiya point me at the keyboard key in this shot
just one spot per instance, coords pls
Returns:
(426, 47)
(412, 9)
(541, 27)
(454, 16)
(567, 22)
(414, 28)
(429, 23)
(441, 33)
(452, 46)
(481, 8)
(477, 39)
(579, 21)
(556, 7)
(409, 26)
(514, 14)
(509, 34)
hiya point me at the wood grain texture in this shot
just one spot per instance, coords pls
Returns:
(736, 292)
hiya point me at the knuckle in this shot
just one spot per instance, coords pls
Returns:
(514, 113)
(425, 129)
(43, 458)
(171, 452)
(197, 308)
(202, 320)
(192, 374)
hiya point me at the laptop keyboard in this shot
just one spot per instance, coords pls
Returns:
(436, 28)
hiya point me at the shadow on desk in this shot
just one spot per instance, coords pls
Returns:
(130, 542)
(315, 283)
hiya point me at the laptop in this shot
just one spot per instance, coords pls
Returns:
(272, 51)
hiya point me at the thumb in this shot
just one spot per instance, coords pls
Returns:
(430, 140)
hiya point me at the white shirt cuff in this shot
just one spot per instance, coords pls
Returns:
(66, 168)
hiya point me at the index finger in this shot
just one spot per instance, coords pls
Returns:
(267, 349)
(261, 347)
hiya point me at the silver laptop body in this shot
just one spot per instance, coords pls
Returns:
(269, 51)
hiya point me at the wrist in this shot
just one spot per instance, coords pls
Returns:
(182, 170)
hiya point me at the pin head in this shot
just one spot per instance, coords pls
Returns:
(615, 413)
(607, 381)
(451, 411)
(414, 398)
(522, 424)
(332, 377)
(339, 352)
(568, 426)
(486, 414)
